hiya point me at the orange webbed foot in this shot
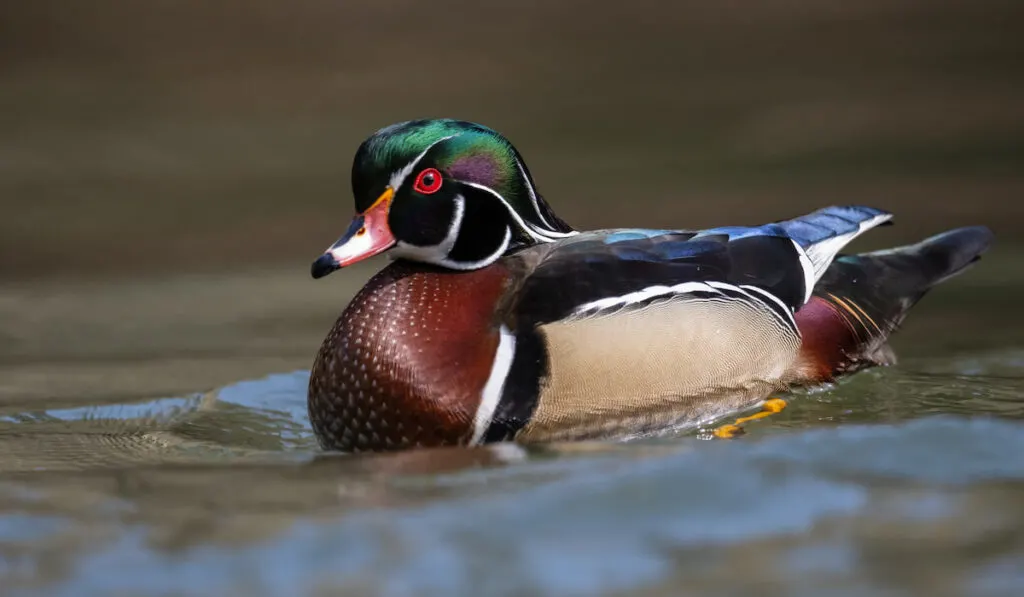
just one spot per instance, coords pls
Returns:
(732, 430)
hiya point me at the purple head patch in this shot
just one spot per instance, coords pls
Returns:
(481, 169)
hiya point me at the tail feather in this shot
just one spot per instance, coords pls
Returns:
(888, 283)
(936, 259)
(861, 299)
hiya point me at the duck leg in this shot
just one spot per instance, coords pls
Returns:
(860, 301)
(731, 430)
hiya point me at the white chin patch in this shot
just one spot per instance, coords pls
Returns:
(431, 254)
(438, 254)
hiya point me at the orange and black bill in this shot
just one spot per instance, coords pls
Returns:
(367, 235)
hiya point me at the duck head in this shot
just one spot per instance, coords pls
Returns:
(445, 192)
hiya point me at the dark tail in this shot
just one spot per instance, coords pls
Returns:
(863, 298)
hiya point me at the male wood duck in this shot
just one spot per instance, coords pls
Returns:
(497, 321)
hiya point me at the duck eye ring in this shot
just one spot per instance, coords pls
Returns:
(428, 182)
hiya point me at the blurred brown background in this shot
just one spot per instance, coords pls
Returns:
(206, 134)
(142, 142)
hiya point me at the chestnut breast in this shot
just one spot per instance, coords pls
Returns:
(406, 362)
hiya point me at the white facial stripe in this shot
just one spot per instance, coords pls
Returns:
(533, 193)
(448, 243)
(452, 264)
(436, 253)
(491, 394)
(439, 254)
(399, 176)
(534, 232)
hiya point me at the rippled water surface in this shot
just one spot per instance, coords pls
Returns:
(908, 480)
(169, 169)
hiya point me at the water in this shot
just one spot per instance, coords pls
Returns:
(122, 474)
(905, 480)
(162, 201)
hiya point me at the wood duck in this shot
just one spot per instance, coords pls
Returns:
(499, 322)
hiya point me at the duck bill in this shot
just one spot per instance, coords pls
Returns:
(367, 235)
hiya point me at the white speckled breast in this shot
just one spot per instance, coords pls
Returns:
(406, 361)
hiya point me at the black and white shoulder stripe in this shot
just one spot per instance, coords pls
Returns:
(690, 291)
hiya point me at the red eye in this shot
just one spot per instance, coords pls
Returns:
(428, 182)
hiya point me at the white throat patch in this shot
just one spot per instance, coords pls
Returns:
(439, 254)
